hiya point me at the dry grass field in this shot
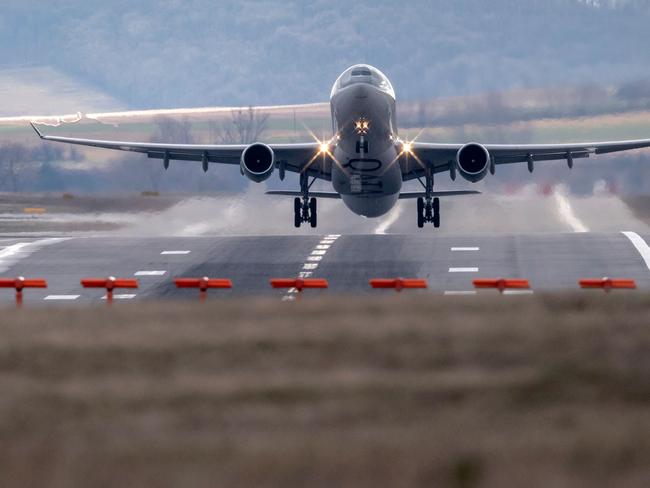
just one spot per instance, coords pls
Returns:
(416, 390)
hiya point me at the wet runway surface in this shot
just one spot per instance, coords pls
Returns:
(552, 242)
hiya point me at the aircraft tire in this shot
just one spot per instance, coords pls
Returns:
(313, 216)
(436, 212)
(420, 212)
(297, 208)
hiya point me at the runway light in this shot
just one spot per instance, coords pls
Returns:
(203, 284)
(19, 284)
(398, 284)
(501, 284)
(608, 284)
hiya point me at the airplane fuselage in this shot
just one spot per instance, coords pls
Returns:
(367, 173)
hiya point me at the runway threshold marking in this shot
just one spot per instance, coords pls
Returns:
(640, 245)
(61, 297)
(461, 249)
(463, 270)
(150, 273)
(174, 253)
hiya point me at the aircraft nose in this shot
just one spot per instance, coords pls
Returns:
(360, 91)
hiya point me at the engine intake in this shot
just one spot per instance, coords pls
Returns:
(473, 161)
(257, 162)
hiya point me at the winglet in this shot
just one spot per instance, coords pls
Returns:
(36, 130)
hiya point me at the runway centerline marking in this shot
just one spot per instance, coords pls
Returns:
(641, 246)
(463, 270)
(150, 273)
(312, 262)
(61, 297)
(174, 253)
(460, 292)
(565, 210)
(460, 249)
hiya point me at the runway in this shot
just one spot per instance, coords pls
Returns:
(517, 237)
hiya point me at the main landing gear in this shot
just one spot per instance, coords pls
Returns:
(428, 207)
(304, 209)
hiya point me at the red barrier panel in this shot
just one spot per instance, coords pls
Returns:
(21, 283)
(203, 284)
(109, 284)
(607, 284)
(299, 283)
(398, 284)
(501, 284)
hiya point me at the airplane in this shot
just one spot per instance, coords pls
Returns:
(365, 159)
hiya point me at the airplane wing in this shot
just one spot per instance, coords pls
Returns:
(440, 157)
(298, 158)
(405, 195)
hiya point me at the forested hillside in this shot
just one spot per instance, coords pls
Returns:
(154, 53)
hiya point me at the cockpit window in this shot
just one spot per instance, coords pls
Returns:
(363, 74)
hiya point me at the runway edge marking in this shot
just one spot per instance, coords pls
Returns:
(640, 244)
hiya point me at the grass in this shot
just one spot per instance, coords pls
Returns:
(488, 391)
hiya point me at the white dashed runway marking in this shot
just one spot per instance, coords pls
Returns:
(463, 270)
(150, 273)
(122, 296)
(174, 253)
(459, 293)
(460, 249)
(61, 297)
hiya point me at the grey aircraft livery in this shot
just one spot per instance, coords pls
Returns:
(365, 159)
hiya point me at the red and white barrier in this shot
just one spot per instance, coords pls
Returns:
(607, 284)
(398, 284)
(502, 284)
(299, 284)
(21, 283)
(203, 284)
(109, 284)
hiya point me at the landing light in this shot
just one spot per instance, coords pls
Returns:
(407, 147)
(324, 147)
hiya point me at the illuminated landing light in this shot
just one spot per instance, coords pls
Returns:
(324, 148)
(407, 148)
(362, 126)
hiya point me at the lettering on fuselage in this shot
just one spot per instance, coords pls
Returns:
(362, 181)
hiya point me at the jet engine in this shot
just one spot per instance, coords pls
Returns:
(473, 161)
(257, 162)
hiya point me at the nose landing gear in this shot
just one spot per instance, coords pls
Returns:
(305, 208)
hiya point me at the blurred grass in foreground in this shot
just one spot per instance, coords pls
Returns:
(400, 391)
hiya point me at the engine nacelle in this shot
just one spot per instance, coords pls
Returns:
(473, 161)
(257, 162)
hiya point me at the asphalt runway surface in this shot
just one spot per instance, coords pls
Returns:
(552, 241)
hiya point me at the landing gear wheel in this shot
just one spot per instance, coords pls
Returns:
(420, 212)
(297, 212)
(312, 213)
(436, 212)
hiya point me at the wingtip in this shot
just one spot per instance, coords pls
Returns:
(38, 132)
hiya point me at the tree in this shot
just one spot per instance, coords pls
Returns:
(245, 127)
